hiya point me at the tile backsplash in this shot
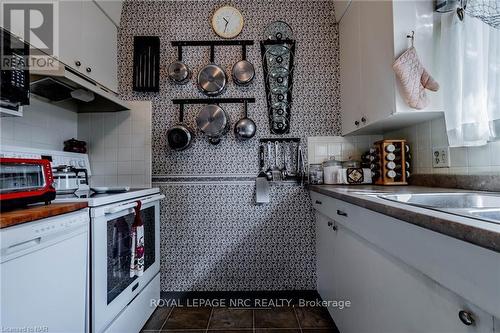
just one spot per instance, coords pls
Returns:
(42, 126)
(320, 148)
(119, 145)
(463, 160)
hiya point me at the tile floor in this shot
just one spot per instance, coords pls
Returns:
(240, 320)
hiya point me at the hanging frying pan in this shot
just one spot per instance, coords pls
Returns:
(212, 79)
(243, 71)
(179, 136)
(178, 71)
(245, 128)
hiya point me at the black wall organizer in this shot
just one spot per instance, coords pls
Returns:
(146, 68)
(277, 61)
(212, 43)
(186, 101)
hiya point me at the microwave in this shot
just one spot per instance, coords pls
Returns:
(14, 74)
(25, 181)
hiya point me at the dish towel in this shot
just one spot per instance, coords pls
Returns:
(414, 79)
(137, 235)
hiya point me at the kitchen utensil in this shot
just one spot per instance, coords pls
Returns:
(212, 79)
(67, 179)
(269, 171)
(213, 121)
(146, 68)
(278, 30)
(180, 136)
(284, 171)
(178, 72)
(245, 127)
(243, 71)
(261, 183)
(276, 171)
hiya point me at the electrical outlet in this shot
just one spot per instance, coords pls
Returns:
(440, 157)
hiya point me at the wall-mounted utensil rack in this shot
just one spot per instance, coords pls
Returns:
(186, 101)
(265, 140)
(279, 83)
(212, 43)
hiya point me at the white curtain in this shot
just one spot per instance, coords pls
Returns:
(470, 79)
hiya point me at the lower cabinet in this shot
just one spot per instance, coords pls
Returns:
(386, 295)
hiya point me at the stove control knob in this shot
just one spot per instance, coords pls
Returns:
(81, 163)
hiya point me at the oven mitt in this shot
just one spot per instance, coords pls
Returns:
(414, 79)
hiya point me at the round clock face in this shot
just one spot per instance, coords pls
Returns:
(227, 22)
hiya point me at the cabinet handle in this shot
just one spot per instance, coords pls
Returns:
(318, 202)
(466, 317)
(363, 119)
(356, 123)
(78, 63)
(330, 223)
(341, 213)
(88, 69)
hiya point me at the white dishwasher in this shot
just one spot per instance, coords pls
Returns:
(44, 277)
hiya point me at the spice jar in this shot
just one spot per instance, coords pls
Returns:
(316, 174)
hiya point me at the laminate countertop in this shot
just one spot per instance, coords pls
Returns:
(37, 212)
(474, 231)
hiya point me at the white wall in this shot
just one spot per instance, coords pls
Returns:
(43, 125)
(320, 148)
(463, 161)
(119, 145)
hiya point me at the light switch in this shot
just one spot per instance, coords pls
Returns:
(440, 157)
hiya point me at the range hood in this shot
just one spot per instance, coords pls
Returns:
(65, 83)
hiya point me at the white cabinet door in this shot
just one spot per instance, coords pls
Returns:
(99, 39)
(325, 265)
(112, 8)
(350, 69)
(377, 56)
(70, 33)
(389, 296)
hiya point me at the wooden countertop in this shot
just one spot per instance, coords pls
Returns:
(37, 212)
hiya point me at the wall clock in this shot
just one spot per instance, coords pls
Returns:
(227, 22)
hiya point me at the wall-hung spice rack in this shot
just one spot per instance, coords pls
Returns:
(278, 79)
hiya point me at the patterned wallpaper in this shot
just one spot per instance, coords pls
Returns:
(213, 236)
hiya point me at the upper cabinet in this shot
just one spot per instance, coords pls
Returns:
(112, 8)
(88, 41)
(372, 35)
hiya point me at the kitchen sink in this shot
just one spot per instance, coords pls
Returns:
(469, 204)
(447, 200)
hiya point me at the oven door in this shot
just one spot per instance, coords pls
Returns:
(112, 287)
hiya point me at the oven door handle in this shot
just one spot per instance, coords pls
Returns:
(119, 208)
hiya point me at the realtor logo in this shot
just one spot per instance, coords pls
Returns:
(35, 22)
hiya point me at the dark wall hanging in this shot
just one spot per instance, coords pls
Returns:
(146, 64)
(277, 61)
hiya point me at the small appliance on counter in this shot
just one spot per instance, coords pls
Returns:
(390, 162)
(75, 146)
(67, 179)
(24, 181)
